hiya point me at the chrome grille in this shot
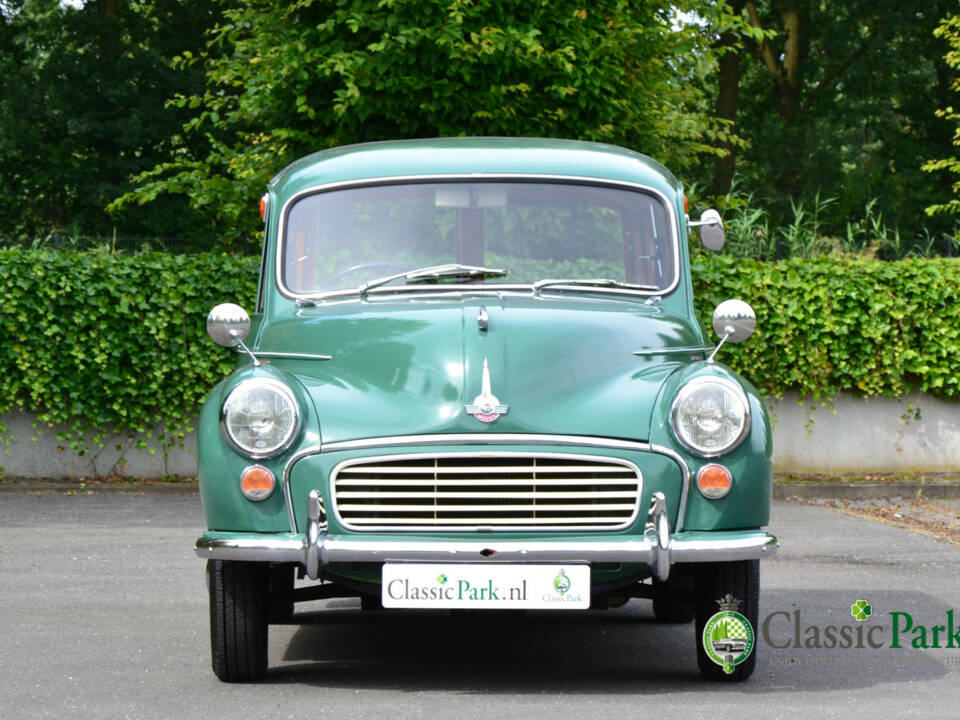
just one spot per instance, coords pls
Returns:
(484, 492)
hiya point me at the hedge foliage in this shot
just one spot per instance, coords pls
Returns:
(95, 342)
(830, 324)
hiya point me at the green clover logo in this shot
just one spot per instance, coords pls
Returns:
(442, 579)
(861, 610)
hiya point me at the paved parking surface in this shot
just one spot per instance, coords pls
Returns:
(103, 615)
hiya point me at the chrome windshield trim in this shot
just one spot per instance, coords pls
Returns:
(481, 454)
(524, 439)
(474, 177)
(287, 469)
(485, 439)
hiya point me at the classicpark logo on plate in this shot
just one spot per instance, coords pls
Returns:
(489, 586)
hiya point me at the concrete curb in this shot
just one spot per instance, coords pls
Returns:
(90, 488)
(864, 491)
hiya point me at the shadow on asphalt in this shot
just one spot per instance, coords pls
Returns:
(617, 651)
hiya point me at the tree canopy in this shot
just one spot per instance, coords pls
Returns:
(296, 78)
(183, 109)
(83, 95)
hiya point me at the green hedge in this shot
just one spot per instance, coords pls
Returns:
(97, 342)
(828, 324)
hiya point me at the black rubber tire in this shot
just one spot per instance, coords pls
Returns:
(714, 581)
(282, 580)
(673, 600)
(238, 619)
(370, 603)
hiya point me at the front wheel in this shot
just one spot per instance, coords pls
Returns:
(238, 619)
(731, 586)
(673, 600)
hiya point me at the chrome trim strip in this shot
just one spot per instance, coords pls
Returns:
(523, 439)
(485, 439)
(292, 356)
(474, 177)
(647, 352)
(287, 469)
(334, 505)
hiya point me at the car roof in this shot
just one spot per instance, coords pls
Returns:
(473, 156)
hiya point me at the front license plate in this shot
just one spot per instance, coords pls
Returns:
(491, 586)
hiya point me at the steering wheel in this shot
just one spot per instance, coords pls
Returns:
(386, 264)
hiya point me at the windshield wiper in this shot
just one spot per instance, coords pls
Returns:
(436, 273)
(595, 283)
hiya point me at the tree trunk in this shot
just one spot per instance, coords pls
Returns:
(728, 93)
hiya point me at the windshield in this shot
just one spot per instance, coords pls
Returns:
(341, 239)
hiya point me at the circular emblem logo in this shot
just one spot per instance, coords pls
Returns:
(561, 583)
(728, 639)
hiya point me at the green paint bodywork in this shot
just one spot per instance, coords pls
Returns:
(404, 365)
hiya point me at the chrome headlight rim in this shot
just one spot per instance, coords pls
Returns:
(281, 389)
(684, 392)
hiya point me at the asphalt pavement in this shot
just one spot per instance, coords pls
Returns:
(103, 614)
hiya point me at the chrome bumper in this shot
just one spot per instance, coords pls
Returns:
(656, 548)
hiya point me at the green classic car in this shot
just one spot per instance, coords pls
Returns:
(474, 379)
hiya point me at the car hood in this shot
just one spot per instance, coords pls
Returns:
(409, 366)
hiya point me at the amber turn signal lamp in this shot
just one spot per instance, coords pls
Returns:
(714, 481)
(263, 207)
(686, 205)
(257, 482)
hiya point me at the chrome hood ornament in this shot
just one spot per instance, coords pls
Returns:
(486, 407)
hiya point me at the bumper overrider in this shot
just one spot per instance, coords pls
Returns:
(657, 547)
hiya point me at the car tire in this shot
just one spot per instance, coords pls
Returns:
(741, 579)
(282, 580)
(371, 603)
(673, 600)
(238, 619)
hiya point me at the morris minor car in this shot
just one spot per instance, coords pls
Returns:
(473, 379)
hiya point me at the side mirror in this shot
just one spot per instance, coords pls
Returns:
(228, 325)
(711, 230)
(734, 321)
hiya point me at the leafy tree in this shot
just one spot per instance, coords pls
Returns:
(835, 101)
(284, 80)
(82, 93)
(949, 29)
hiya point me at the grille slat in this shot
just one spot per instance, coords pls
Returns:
(470, 494)
(413, 469)
(481, 522)
(480, 491)
(442, 482)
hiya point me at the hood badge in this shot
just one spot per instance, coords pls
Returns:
(486, 408)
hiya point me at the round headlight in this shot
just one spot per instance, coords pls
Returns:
(260, 417)
(710, 416)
